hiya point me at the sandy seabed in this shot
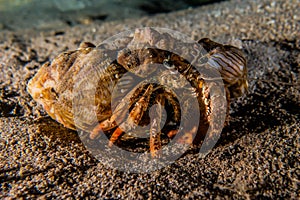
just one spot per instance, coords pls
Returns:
(257, 155)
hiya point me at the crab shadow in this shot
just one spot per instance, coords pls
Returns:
(55, 131)
(259, 112)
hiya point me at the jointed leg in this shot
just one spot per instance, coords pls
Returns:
(119, 114)
(102, 126)
(155, 127)
(135, 115)
(190, 133)
(177, 112)
(191, 99)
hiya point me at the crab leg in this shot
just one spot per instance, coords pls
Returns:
(176, 107)
(118, 114)
(190, 136)
(155, 128)
(169, 96)
(102, 126)
(135, 115)
(190, 130)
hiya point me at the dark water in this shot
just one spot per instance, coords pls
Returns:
(48, 14)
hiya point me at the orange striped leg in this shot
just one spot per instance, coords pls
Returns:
(134, 117)
(115, 136)
(102, 126)
(155, 126)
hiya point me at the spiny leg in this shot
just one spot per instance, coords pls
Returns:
(135, 115)
(102, 126)
(190, 134)
(118, 115)
(170, 97)
(188, 108)
(218, 110)
(155, 127)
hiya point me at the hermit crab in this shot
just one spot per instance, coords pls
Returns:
(120, 85)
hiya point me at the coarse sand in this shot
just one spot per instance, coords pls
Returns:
(257, 155)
